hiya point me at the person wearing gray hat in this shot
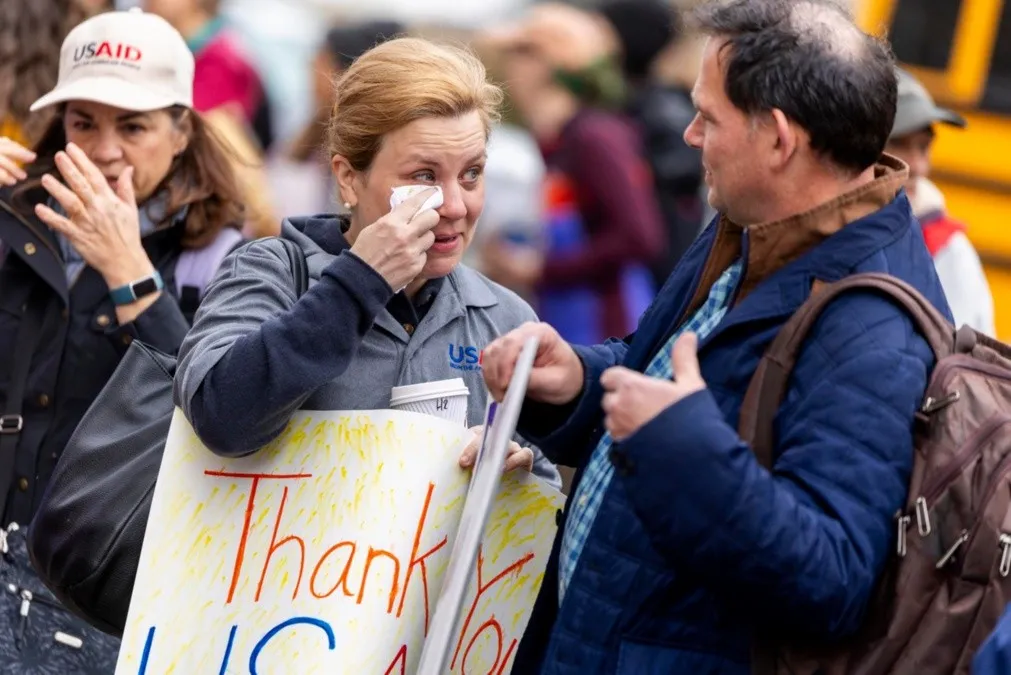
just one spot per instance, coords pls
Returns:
(913, 130)
(958, 265)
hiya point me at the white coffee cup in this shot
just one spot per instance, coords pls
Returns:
(446, 399)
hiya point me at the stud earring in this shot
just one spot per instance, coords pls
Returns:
(347, 206)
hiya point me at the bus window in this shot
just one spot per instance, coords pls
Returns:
(997, 95)
(923, 32)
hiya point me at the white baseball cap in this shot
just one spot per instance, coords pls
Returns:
(130, 60)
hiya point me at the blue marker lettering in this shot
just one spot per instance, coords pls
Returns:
(322, 625)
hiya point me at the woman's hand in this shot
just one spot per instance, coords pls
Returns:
(516, 458)
(396, 246)
(11, 155)
(103, 226)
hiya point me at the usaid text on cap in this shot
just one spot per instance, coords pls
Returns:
(110, 50)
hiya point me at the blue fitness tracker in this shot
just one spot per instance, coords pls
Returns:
(134, 291)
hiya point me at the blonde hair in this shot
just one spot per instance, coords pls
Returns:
(401, 81)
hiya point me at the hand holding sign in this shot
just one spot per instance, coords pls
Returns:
(557, 375)
(518, 457)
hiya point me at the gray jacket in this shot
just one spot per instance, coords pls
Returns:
(256, 353)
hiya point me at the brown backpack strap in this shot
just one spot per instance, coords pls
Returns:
(769, 384)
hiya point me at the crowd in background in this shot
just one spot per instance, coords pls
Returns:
(592, 193)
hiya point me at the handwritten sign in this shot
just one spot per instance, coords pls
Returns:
(325, 552)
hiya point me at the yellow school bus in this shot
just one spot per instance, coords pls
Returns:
(961, 51)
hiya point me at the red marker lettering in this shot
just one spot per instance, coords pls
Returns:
(275, 544)
(420, 560)
(343, 581)
(247, 523)
(481, 590)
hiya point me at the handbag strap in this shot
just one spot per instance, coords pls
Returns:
(11, 421)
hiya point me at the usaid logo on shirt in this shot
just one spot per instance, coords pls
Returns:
(465, 357)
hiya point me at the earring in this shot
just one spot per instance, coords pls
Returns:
(347, 206)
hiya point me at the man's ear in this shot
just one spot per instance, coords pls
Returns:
(787, 137)
(346, 176)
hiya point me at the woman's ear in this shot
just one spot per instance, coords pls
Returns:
(346, 177)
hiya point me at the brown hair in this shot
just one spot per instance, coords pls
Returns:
(401, 81)
(201, 178)
(31, 34)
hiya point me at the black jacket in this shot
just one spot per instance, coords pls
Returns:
(663, 114)
(79, 347)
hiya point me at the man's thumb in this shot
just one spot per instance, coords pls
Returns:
(684, 358)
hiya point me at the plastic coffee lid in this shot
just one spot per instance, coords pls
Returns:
(419, 392)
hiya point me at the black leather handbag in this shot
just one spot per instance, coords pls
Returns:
(86, 538)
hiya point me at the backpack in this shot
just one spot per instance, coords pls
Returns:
(86, 537)
(197, 266)
(947, 581)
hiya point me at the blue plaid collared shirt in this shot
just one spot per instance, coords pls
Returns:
(599, 472)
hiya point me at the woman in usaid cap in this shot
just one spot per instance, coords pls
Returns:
(108, 234)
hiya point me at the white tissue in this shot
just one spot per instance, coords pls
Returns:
(399, 195)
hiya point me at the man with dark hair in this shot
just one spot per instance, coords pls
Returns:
(644, 28)
(678, 546)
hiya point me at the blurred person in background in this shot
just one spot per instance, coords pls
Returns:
(125, 184)
(228, 91)
(31, 33)
(225, 75)
(644, 29)
(514, 180)
(603, 226)
(955, 258)
(308, 182)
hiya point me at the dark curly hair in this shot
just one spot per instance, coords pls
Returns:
(31, 33)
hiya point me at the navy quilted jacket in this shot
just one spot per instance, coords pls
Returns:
(695, 544)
